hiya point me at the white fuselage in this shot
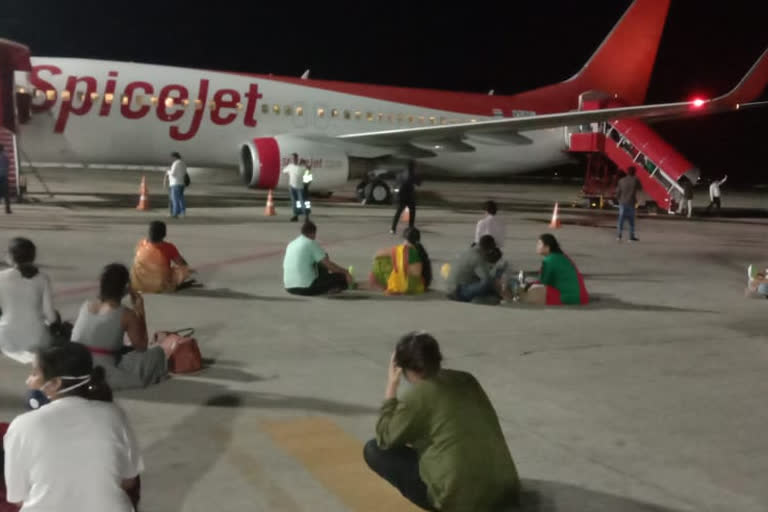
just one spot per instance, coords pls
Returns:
(104, 112)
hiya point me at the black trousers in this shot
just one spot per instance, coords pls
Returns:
(404, 202)
(716, 203)
(324, 283)
(400, 467)
(5, 194)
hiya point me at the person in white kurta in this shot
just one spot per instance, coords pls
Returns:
(26, 303)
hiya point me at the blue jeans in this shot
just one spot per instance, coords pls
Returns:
(177, 200)
(297, 201)
(626, 212)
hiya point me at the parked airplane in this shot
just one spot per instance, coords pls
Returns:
(95, 111)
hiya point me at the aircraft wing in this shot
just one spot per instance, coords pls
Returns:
(454, 137)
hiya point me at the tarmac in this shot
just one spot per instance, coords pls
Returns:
(652, 398)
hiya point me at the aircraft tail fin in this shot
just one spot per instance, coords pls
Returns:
(623, 63)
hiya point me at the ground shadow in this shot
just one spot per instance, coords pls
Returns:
(231, 374)
(548, 496)
(207, 433)
(377, 295)
(629, 278)
(188, 390)
(226, 293)
(604, 301)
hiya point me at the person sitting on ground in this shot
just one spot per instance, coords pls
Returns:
(102, 325)
(491, 224)
(560, 281)
(158, 266)
(757, 281)
(307, 269)
(77, 451)
(440, 443)
(472, 277)
(405, 268)
(26, 304)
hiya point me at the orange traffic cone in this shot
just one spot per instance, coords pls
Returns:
(143, 196)
(269, 210)
(555, 223)
(406, 216)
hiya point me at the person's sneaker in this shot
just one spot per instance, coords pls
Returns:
(521, 278)
(294, 219)
(618, 239)
(391, 231)
(634, 239)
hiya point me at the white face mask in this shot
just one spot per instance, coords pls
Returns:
(38, 398)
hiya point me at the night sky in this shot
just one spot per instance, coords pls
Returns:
(472, 46)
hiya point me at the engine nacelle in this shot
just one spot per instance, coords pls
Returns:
(262, 161)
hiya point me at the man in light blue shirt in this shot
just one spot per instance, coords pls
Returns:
(307, 270)
(5, 166)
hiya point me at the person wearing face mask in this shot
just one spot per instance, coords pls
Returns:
(440, 443)
(26, 304)
(77, 451)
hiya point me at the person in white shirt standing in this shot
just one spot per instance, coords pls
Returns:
(177, 178)
(714, 194)
(76, 451)
(491, 225)
(296, 186)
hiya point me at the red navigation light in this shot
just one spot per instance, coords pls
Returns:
(698, 103)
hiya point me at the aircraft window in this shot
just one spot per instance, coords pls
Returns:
(473, 120)
(198, 105)
(185, 102)
(432, 120)
(39, 92)
(369, 116)
(21, 90)
(80, 95)
(381, 117)
(169, 102)
(94, 96)
(391, 118)
(50, 94)
(124, 100)
(65, 95)
(347, 114)
(288, 110)
(443, 120)
(300, 111)
(421, 119)
(335, 112)
(265, 109)
(276, 109)
(321, 112)
(154, 100)
(358, 115)
(410, 119)
(212, 105)
(108, 98)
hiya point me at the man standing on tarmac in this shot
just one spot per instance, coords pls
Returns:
(626, 194)
(295, 186)
(714, 194)
(5, 166)
(176, 177)
(406, 197)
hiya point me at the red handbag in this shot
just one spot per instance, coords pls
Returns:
(181, 349)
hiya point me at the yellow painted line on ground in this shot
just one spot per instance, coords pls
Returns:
(335, 459)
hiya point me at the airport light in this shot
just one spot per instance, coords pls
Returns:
(698, 102)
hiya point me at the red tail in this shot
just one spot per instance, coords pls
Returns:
(622, 65)
(624, 61)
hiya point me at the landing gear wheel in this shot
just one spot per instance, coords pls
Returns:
(378, 192)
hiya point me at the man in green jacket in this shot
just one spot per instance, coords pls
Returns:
(440, 444)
